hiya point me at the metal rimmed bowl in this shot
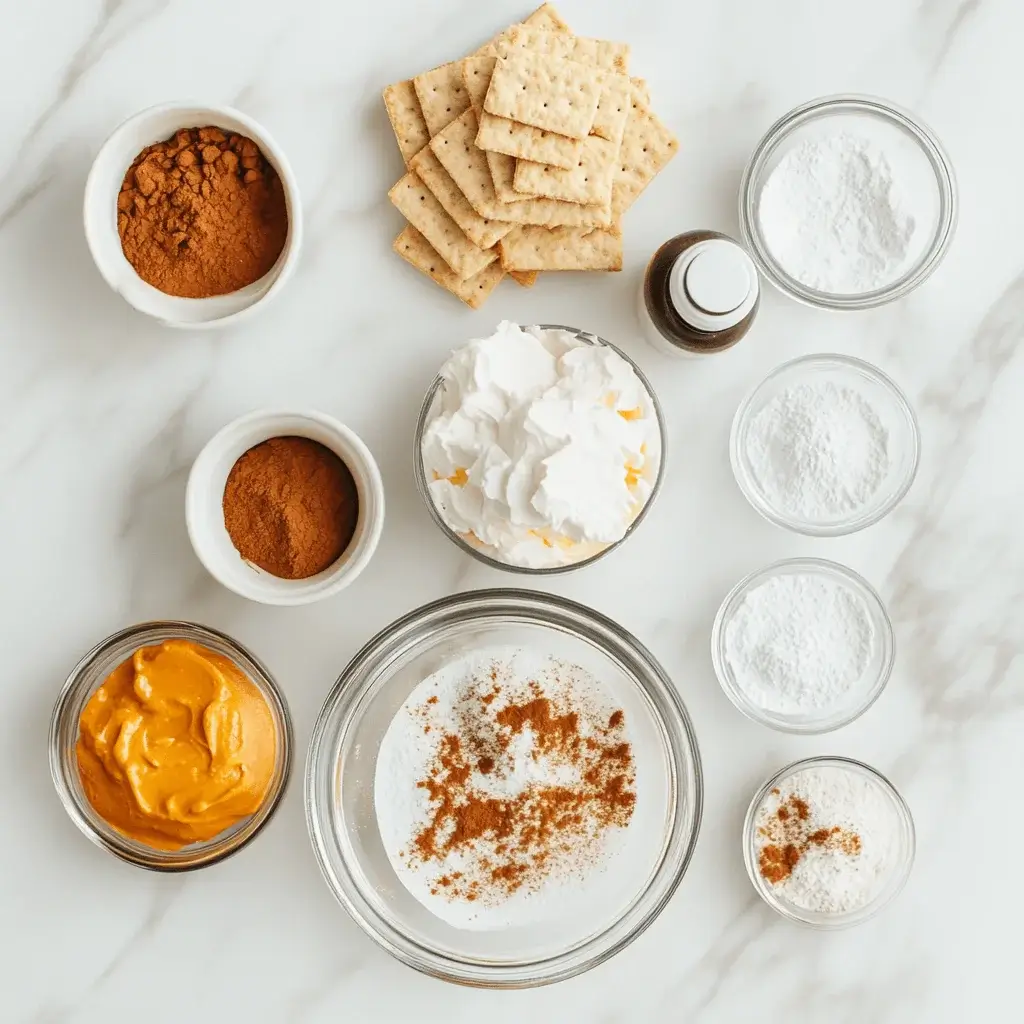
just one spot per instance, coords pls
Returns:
(433, 395)
(889, 403)
(930, 181)
(861, 694)
(340, 780)
(900, 860)
(85, 679)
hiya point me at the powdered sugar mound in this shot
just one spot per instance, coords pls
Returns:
(835, 879)
(834, 215)
(799, 642)
(818, 451)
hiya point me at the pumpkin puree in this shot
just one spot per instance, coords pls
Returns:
(176, 745)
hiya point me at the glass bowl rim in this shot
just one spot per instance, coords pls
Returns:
(197, 855)
(728, 608)
(422, 484)
(929, 144)
(854, 917)
(342, 706)
(823, 360)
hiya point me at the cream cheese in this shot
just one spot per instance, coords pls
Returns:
(542, 447)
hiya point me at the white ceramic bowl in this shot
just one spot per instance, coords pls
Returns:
(100, 216)
(204, 513)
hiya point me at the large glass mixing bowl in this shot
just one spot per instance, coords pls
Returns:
(342, 761)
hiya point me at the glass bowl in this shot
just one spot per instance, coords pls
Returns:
(341, 766)
(422, 484)
(860, 696)
(85, 679)
(900, 869)
(931, 182)
(888, 401)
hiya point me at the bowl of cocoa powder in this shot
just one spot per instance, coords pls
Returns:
(192, 214)
(285, 508)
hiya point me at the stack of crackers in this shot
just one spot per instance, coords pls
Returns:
(522, 157)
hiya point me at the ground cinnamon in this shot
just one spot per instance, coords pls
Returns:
(202, 213)
(519, 840)
(790, 838)
(290, 506)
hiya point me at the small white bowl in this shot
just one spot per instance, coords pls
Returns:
(100, 215)
(204, 510)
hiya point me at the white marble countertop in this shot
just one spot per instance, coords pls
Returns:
(104, 412)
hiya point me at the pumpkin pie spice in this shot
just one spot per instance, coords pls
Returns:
(545, 829)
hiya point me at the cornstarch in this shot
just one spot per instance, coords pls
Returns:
(818, 451)
(834, 215)
(799, 643)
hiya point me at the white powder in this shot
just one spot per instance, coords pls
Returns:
(836, 217)
(436, 708)
(843, 874)
(818, 451)
(799, 643)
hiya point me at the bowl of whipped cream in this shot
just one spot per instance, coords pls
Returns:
(539, 449)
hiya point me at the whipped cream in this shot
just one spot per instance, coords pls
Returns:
(542, 448)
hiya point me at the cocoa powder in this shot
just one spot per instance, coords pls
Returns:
(202, 213)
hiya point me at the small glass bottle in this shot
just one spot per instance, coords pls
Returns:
(699, 295)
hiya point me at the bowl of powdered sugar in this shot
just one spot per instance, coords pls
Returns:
(848, 202)
(828, 842)
(826, 445)
(803, 646)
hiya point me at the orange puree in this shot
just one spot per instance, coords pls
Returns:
(177, 745)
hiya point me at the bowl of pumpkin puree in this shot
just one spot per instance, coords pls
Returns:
(170, 745)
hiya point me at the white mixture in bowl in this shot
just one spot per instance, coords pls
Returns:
(543, 448)
(505, 787)
(827, 840)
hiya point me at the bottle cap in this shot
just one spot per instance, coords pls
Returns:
(713, 285)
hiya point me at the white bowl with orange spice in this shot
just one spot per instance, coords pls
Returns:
(285, 507)
(192, 214)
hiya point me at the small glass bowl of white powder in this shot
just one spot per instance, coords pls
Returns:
(825, 445)
(828, 842)
(803, 646)
(848, 202)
